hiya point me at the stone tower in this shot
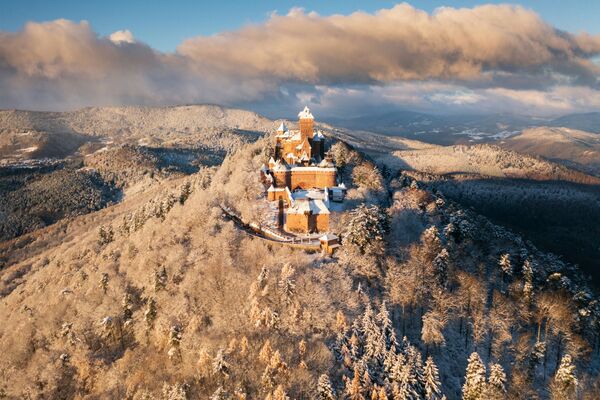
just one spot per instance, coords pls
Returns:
(306, 122)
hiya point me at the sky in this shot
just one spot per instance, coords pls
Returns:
(343, 57)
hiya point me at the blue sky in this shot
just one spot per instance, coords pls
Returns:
(163, 25)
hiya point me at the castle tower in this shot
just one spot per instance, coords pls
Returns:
(282, 128)
(306, 122)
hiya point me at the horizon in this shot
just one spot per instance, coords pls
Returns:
(434, 58)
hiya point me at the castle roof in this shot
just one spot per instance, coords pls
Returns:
(326, 164)
(282, 127)
(318, 136)
(328, 236)
(302, 206)
(305, 114)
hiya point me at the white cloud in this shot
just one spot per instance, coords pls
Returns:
(123, 36)
(453, 59)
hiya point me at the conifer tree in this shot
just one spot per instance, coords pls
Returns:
(366, 229)
(126, 304)
(432, 380)
(564, 385)
(104, 282)
(440, 264)
(505, 265)
(266, 352)
(150, 313)
(286, 283)
(387, 328)
(496, 383)
(354, 389)
(160, 278)
(324, 389)
(528, 282)
(219, 394)
(175, 336)
(220, 365)
(475, 385)
(280, 394)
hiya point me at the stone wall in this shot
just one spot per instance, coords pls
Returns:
(310, 178)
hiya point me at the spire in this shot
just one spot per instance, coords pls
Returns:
(282, 127)
(305, 114)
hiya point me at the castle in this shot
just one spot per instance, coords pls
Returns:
(302, 177)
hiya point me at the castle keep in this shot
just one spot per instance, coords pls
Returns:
(302, 178)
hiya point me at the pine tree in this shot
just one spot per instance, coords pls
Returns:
(280, 394)
(440, 264)
(220, 365)
(496, 383)
(366, 229)
(432, 380)
(286, 283)
(104, 282)
(175, 336)
(528, 282)
(536, 358)
(354, 389)
(324, 389)
(150, 313)
(160, 279)
(564, 385)
(387, 329)
(105, 235)
(413, 358)
(126, 304)
(505, 264)
(475, 385)
(266, 352)
(219, 394)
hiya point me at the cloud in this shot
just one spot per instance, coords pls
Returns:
(123, 36)
(401, 43)
(451, 59)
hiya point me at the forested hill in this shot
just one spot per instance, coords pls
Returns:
(160, 297)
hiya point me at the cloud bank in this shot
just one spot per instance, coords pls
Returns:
(488, 57)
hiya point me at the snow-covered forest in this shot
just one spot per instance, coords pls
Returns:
(160, 297)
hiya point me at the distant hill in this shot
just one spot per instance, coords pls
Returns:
(441, 129)
(22, 132)
(587, 121)
(486, 160)
(575, 148)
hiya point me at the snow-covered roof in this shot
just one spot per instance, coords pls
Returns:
(271, 189)
(328, 236)
(301, 169)
(304, 157)
(305, 114)
(279, 166)
(318, 136)
(314, 194)
(326, 164)
(282, 127)
(342, 185)
(271, 161)
(302, 206)
(263, 168)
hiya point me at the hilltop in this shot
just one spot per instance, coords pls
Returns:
(575, 148)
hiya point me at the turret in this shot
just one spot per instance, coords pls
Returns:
(282, 128)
